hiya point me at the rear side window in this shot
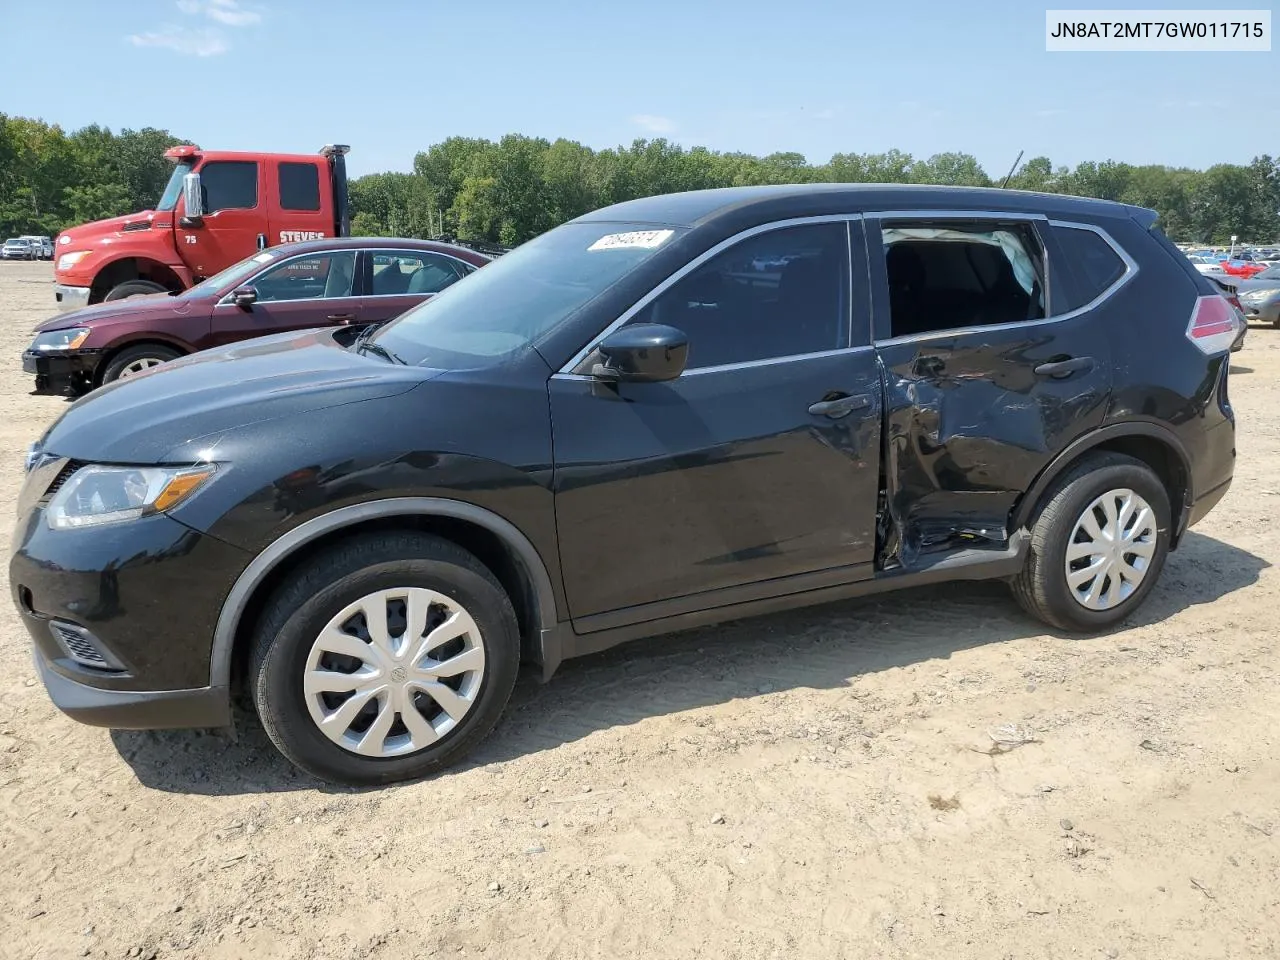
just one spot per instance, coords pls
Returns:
(229, 185)
(1095, 264)
(299, 186)
(955, 275)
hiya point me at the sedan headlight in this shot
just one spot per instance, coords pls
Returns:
(1257, 296)
(69, 260)
(68, 339)
(98, 495)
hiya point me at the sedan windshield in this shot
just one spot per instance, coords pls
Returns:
(1271, 273)
(508, 304)
(230, 276)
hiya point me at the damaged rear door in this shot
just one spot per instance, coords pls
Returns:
(992, 364)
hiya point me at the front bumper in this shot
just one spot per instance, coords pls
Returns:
(146, 593)
(1266, 311)
(70, 298)
(61, 371)
(135, 709)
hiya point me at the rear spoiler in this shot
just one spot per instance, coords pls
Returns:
(337, 155)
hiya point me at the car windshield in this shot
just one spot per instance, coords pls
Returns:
(230, 276)
(169, 199)
(513, 301)
(1271, 273)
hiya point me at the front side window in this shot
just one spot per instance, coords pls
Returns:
(404, 272)
(949, 276)
(322, 275)
(299, 186)
(781, 293)
(229, 185)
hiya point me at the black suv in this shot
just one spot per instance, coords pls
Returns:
(674, 411)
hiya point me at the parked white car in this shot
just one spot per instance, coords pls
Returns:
(1207, 265)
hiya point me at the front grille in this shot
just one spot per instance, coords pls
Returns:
(70, 467)
(82, 646)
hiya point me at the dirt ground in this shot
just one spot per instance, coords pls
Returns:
(925, 775)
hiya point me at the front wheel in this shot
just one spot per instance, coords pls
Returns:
(135, 360)
(133, 288)
(386, 658)
(1097, 545)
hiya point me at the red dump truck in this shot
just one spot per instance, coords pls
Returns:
(217, 208)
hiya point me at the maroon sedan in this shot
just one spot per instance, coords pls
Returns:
(290, 287)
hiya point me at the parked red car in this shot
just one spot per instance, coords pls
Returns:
(317, 283)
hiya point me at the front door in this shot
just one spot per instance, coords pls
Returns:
(760, 462)
(234, 218)
(990, 371)
(310, 290)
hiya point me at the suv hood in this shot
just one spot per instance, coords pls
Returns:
(157, 305)
(140, 419)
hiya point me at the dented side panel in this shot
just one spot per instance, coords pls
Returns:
(969, 425)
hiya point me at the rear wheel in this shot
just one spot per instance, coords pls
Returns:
(385, 658)
(133, 288)
(1098, 545)
(135, 360)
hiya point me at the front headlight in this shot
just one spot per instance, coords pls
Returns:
(69, 260)
(97, 495)
(68, 339)
(1257, 296)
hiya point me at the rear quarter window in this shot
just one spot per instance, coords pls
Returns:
(1092, 260)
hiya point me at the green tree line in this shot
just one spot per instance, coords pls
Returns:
(510, 190)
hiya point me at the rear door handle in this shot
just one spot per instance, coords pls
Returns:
(1064, 368)
(838, 407)
(342, 317)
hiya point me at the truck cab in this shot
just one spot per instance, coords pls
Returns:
(217, 208)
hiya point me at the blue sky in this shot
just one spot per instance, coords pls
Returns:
(391, 77)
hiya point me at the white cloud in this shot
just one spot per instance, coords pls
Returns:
(226, 12)
(652, 123)
(197, 43)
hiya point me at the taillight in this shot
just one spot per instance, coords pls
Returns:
(1214, 325)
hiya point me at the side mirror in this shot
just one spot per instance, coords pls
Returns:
(192, 197)
(643, 353)
(244, 297)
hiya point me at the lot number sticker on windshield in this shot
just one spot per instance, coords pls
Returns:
(637, 239)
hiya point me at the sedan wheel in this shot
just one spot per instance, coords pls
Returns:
(137, 366)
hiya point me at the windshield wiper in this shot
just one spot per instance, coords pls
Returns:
(380, 350)
(362, 343)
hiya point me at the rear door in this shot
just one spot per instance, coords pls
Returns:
(399, 279)
(758, 465)
(300, 203)
(234, 220)
(995, 358)
(305, 291)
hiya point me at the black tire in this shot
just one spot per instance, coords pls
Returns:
(1041, 588)
(131, 355)
(133, 288)
(302, 606)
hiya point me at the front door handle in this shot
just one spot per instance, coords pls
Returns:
(1060, 369)
(342, 317)
(841, 406)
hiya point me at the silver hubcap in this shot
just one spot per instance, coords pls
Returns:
(1111, 549)
(394, 672)
(142, 363)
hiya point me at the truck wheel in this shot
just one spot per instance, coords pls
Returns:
(133, 288)
(387, 657)
(1098, 545)
(134, 360)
